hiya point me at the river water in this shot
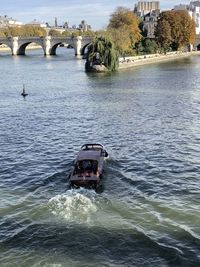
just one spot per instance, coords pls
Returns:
(148, 120)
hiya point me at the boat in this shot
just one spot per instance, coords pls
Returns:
(88, 167)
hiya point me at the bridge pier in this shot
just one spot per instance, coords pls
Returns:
(15, 46)
(47, 45)
(78, 45)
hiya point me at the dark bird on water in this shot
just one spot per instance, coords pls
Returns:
(24, 94)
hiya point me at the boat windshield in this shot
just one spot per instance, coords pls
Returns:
(92, 146)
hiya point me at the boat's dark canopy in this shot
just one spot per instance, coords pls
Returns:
(89, 154)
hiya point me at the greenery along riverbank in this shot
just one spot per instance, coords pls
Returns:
(175, 31)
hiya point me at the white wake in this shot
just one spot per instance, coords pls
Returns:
(74, 205)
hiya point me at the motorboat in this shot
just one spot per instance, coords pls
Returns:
(88, 167)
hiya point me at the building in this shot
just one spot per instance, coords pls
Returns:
(144, 7)
(66, 25)
(180, 7)
(150, 22)
(149, 13)
(56, 22)
(37, 23)
(5, 22)
(194, 8)
(83, 26)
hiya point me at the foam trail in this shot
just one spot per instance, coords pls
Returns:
(74, 205)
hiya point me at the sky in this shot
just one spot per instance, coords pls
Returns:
(95, 13)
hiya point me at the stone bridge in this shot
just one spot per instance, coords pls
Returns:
(197, 43)
(49, 43)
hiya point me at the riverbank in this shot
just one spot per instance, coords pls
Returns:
(130, 62)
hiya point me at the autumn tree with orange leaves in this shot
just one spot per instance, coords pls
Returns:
(175, 30)
(123, 29)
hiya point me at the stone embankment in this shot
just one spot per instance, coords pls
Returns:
(129, 62)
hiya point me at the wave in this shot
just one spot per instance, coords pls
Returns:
(74, 205)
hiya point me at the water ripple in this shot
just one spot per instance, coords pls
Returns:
(148, 213)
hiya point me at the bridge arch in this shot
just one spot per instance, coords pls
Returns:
(54, 42)
(84, 48)
(198, 47)
(52, 51)
(22, 48)
(9, 45)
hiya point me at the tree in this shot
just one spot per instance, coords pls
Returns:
(146, 46)
(25, 31)
(124, 29)
(102, 51)
(122, 40)
(88, 33)
(2, 33)
(55, 33)
(188, 26)
(67, 33)
(175, 29)
(163, 34)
